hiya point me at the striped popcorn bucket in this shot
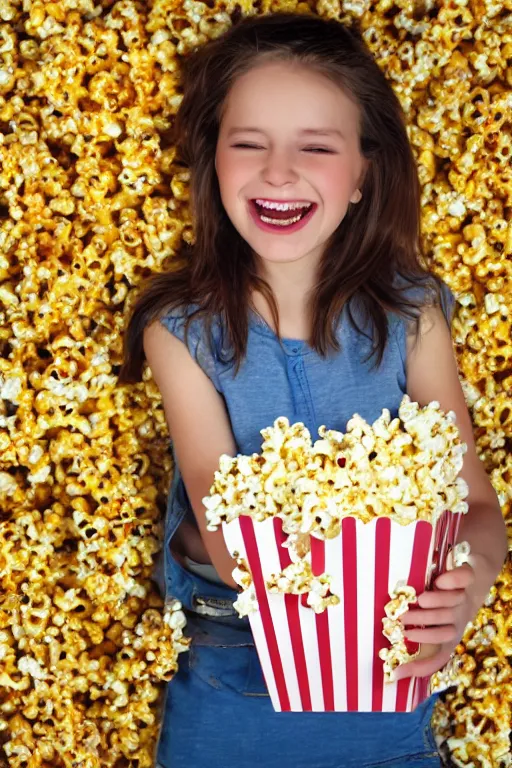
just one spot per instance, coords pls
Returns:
(329, 662)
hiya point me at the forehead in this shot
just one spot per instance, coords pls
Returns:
(288, 94)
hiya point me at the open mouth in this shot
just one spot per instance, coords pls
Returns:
(281, 216)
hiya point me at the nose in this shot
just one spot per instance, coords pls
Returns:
(278, 168)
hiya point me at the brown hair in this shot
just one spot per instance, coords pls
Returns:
(378, 240)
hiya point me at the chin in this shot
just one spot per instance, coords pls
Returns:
(280, 255)
(283, 258)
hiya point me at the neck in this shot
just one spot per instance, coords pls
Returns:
(291, 284)
(292, 281)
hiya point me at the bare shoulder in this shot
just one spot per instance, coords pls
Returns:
(191, 402)
(430, 347)
(432, 372)
(167, 356)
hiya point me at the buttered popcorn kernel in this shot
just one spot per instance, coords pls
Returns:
(93, 201)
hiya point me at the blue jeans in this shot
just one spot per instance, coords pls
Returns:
(218, 714)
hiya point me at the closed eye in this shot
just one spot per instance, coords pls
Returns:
(320, 150)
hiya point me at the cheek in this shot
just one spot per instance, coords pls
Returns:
(230, 173)
(338, 183)
(336, 186)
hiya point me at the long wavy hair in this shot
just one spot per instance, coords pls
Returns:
(378, 240)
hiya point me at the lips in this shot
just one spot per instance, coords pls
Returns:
(279, 221)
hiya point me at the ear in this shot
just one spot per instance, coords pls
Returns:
(357, 195)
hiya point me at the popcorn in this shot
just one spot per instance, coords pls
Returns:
(478, 683)
(401, 597)
(298, 579)
(246, 602)
(241, 574)
(405, 468)
(459, 555)
(76, 242)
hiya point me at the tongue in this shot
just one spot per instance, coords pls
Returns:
(273, 214)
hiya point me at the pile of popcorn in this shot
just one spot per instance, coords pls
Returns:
(404, 468)
(92, 201)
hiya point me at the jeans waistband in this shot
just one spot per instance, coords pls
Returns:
(196, 594)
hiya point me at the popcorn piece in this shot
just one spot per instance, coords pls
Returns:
(459, 555)
(401, 597)
(241, 574)
(298, 545)
(298, 579)
(29, 666)
(246, 602)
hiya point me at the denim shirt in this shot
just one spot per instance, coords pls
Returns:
(284, 378)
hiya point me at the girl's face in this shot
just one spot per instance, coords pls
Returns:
(288, 160)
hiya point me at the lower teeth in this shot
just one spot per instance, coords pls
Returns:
(280, 222)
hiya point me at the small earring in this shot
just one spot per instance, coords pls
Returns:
(357, 195)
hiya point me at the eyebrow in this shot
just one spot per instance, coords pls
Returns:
(304, 132)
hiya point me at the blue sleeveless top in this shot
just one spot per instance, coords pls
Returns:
(288, 378)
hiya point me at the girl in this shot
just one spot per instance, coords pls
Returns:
(304, 296)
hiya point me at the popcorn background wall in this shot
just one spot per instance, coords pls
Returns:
(92, 201)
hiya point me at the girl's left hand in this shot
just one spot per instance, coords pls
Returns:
(444, 613)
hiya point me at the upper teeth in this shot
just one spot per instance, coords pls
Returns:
(282, 206)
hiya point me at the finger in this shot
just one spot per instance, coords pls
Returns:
(425, 667)
(445, 634)
(459, 578)
(426, 618)
(441, 598)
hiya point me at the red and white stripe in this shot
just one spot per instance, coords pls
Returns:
(330, 661)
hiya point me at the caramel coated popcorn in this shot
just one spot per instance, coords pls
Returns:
(92, 201)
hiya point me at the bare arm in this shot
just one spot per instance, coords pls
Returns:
(199, 427)
(432, 375)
